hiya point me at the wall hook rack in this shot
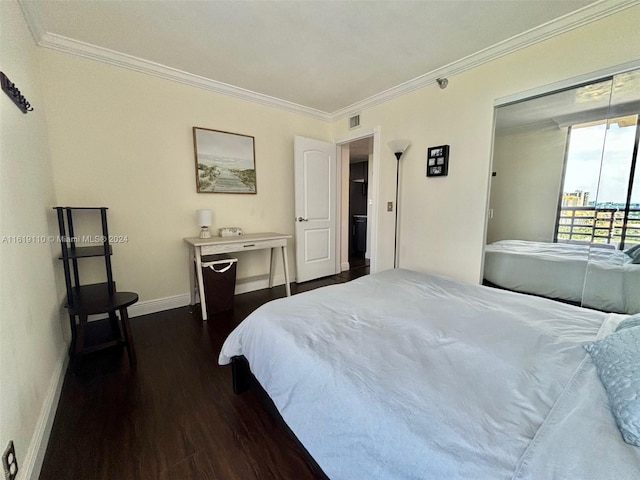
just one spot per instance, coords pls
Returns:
(14, 94)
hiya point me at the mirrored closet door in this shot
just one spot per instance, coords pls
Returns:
(564, 210)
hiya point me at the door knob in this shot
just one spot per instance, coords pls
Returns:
(300, 219)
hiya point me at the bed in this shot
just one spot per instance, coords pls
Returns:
(404, 375)
(597, 278)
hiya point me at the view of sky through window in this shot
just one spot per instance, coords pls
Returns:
(584, 157)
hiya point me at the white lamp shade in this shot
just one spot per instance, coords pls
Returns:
(204, 218)
(399, 146)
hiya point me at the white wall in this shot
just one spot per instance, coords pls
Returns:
(442, 220)
(524, 193)
(123, 139)
(32, 349)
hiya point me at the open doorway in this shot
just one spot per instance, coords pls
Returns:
(356, 229)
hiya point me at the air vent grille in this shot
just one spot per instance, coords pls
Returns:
(354, 121)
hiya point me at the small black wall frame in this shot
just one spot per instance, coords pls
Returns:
(14, 94)
(438, 161)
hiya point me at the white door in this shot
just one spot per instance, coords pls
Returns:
(315, 209)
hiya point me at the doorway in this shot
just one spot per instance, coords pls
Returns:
(322, 221)
(356, 204)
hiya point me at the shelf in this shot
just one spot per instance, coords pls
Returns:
(99, 335)
(85, 252)
(95, 298)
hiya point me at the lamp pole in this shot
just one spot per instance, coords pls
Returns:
(395, 240)
(398, 148)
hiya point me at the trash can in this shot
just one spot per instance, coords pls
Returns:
(219, 276)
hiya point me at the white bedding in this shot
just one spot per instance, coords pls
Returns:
(402, 375)
(597, 277)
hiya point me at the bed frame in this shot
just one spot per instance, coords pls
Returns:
(487, 283)
(244, 380)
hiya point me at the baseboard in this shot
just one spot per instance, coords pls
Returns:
(158, 305)
(251, 284)
(344, 266)
(243, 285)
(32, 463)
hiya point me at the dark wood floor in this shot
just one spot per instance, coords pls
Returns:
(174, 416)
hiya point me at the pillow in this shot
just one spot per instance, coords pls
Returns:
(636, 257)
(617, 359)
(634, 253)
(632, 321)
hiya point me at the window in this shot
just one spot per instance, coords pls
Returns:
(600, 195)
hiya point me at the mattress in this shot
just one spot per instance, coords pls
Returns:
(596, 278)
(404, 375)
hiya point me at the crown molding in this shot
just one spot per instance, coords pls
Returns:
(576, 19)
(130, 62)
(111, 57)
(583, 16)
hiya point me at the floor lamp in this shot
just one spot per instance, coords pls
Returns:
(398, 147)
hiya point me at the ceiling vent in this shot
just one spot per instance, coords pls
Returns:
(354, 122)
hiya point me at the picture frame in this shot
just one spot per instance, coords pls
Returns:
(438, 161)
(225, 162)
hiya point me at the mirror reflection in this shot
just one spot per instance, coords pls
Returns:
(564, 211)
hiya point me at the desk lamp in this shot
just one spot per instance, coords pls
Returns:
(204, 220)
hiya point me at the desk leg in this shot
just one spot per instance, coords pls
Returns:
(192, 276)
(272, 267)
(285, 265)
(203, 301)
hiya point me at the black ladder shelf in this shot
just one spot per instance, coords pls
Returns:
(93, 299)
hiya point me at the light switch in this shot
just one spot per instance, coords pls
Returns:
(389, 206)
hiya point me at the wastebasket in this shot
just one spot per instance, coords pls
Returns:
(219, 276)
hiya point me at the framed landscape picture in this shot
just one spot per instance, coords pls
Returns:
(225, 162)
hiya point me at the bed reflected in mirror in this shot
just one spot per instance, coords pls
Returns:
(564, 209)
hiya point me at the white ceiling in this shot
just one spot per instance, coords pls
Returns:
(323, 58)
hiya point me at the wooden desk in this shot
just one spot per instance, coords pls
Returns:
(216, 245)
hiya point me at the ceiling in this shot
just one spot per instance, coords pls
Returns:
(321, 58)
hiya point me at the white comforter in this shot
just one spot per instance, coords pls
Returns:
(595, 277)
(402, 375)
